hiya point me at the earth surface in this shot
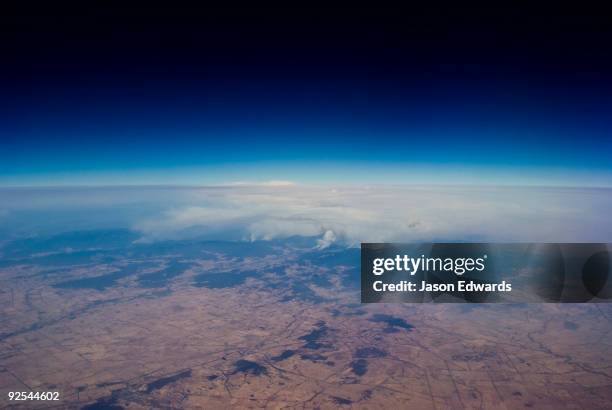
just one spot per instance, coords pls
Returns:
(111, 323)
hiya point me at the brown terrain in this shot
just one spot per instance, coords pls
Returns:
(178, 340)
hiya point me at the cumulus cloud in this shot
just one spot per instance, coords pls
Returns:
(376, 214)
(342, 215)
(329, 237)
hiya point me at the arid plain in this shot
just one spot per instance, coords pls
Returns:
(276, 325)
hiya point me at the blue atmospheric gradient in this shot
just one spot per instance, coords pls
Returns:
(157, 141)
(220, 97)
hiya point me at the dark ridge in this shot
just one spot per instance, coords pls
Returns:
(366, 395)
(341, 400)
(315, 345)
(190, 248)
(313, 357)
(314, 334)
(391, 321)
(284, 355)
(570, 325)
(220, 280)
(313, 337)
(105, 384)
(249, 367)
(335, 257)
(104, 404)
(78, 240)
(164, 381)
(359, 366)
(212, 377)
(240, 249)
(391, 329)
(366, 352)
(66, 259)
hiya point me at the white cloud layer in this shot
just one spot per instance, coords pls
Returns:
(341, 215)
(351, 215)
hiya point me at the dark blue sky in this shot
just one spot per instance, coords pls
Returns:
(213, 96)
